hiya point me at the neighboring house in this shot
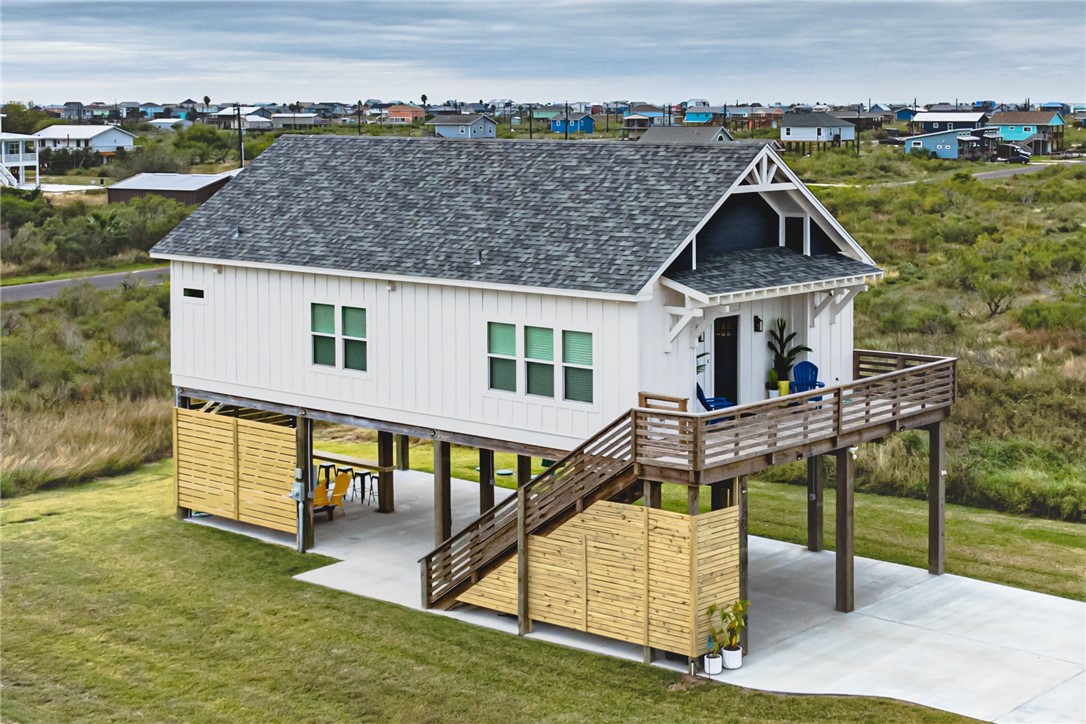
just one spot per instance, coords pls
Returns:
(227, 117)
(107, 140)
(862, 120)
(634, 125)
(577, 122)
(18, 156)
(804, 132)
(188, 188)
(546, 113)
(296, 120)
(74, 111)
(404, 114)
(929, 122)
(971, 143)
(361, 281)
(170, 124)
(702, 115)
(151, 110)
(1042, 130)
(656, 115)
(904, 115)
(463, 126)
(686, 135)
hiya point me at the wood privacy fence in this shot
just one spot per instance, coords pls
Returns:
(640, 575)
(235, 468)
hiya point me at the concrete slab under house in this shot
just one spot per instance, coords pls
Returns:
(615, 327)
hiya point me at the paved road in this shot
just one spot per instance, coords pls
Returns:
(44, 290)
(1015, 170)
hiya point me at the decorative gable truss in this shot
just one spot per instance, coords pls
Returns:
(765, 174)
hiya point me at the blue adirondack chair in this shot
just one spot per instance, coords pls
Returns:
(805, 379)
(713, 403)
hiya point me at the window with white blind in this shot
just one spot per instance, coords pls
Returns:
(501, 347)
(343, 347)
(577, 366)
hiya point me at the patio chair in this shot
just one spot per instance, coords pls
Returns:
(805, 379)
(323, 502)
(713, 403)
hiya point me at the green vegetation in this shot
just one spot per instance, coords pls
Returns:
(114, 610)
(993, 273)
(875, 164)
(38, 236)
(85, 385)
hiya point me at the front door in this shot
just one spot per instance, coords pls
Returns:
(726, 358)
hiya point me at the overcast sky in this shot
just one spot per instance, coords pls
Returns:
(540, 50)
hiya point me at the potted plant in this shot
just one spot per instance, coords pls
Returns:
(734, 620)
(714, 662)
(771, 385)
(784, 356)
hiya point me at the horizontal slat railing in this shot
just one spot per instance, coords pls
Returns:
(890, 388)
(492, 536)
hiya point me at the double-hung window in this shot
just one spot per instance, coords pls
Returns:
(350, 337)
(577, 366)
(539, 361)
(501, 345)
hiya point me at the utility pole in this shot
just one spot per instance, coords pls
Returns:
(567, 120)
(359, 116)
(241, 140)
(531, 122)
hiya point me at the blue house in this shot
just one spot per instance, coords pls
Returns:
(952, 144)
(701, 115)
(1041, 130)
(904, 115)
(578, 123)
(655, 114)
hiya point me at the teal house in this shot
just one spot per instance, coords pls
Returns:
(954, 143)
(1041, 130)
(701, 115)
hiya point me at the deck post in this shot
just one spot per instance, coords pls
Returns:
(524, 470)
(442, 492)
(385, 499)
(403, 452)
(182, 403)
(486, 480)
(816, 480)
(936, 499)
(693, 499)
(845, 528)
(303, 437)
(744, 593)
(650, 492)
(524, 616)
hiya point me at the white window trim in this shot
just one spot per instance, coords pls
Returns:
(521, 394)
(338, 338)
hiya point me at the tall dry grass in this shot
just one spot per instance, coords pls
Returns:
(51, 448)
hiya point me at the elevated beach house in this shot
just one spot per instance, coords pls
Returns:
(431, 289)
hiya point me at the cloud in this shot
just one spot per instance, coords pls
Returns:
(803, 51)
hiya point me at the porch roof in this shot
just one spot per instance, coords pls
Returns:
(766, 268)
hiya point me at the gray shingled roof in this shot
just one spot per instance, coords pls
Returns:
(767, 268)
(685, 135)
(608, 219)
(812, 120)
(456, 119)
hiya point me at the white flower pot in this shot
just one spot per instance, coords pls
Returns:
(732, 659)
(774, 394)
(713, 664)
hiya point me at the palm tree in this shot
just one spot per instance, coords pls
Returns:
(207, 102)
(423, 99)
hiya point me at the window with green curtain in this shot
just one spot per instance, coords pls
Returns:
(354, 322)
(539, 343)
(578, 384)
(501, 339)
(324, 350)
(323, 317)
(503, 374)
(540, 378)
(354, 354)
(577, 348)
(576, 368)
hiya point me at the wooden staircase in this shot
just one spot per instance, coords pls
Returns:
(600, 469)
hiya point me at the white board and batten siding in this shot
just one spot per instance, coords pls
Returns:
(674, 372)
(250, 336)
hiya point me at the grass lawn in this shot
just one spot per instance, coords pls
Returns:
(1033, 553)
(10, 281)
(114, 610)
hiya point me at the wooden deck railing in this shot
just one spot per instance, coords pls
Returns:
(560, 488)
(890, 392)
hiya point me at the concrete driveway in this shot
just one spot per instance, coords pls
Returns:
(966, 646)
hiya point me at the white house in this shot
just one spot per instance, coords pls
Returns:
(815, 128)
(428, 285)
(295, 120)
(107, 140)
(463, 126)
(18, 155)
